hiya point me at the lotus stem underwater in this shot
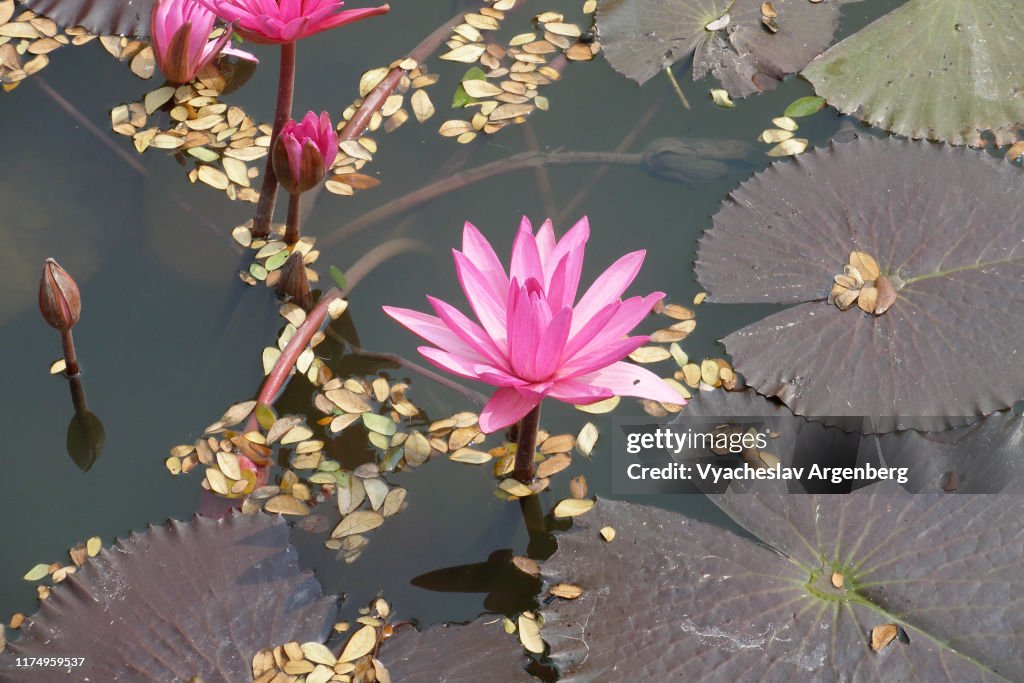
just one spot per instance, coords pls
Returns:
(534, 339)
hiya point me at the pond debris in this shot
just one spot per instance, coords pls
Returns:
(882, 635)
(566, 591)
(608, 533)
(195, 126)
(314, 662)
(862, 283)
(572, 507)
(506, 89)
(27, 39)
(529, 632)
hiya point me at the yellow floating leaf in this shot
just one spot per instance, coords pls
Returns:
(571, 507)
(566, 591)
(358, 522)
(360, 644)
(608, 533)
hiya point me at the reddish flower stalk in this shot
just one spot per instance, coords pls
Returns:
(526, 444)
(282, 112)
(285, 364)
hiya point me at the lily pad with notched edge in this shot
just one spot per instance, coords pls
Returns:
(102, 17)
(642, 37)
(180, 600)
(671, 598)
(939, 69)
(478, 651)
(943, 225)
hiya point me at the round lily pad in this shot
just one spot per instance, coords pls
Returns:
(642, 37)
(942, 224)
(671, 598)
(181, 600)
(938, 69)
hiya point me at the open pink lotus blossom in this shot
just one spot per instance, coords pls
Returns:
(531, 340)
(304, 151)
(180, 30)
(285, 21)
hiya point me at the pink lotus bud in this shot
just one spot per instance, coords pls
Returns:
(59, 299)
(304, 151)
(180, 30)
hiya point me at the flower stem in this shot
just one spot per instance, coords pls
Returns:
(70, 357)
(291, 231)
(282, 112)
(526, 445)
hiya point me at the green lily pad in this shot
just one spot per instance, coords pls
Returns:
(938, 69)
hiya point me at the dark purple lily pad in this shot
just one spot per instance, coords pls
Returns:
(180, 600)
(671, 598)
(981, 458)
(102, 17)
(478, 651)
(938, 69)
(642, 37)
(943, 224)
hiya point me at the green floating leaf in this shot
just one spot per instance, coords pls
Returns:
(40, 571)
(938, 69)
(338, 277)
(461, 97)
(379, 423)
(805, 106)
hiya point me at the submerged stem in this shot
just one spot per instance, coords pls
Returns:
(291, 231)
(282, 112)
(526, 445)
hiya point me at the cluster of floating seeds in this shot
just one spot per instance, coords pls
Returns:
(782, 136)
(508, 89)
(315, 663)
(271, 253)
(862, 283)
(220, 139)
(27, 39)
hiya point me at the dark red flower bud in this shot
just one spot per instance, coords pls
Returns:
(59, 299)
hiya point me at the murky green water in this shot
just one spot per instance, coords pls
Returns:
(169, 337)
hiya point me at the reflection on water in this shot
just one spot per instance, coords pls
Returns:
(169, 336)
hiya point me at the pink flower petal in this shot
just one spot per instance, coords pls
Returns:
(548, 353)
(608, 287)
(505, 407)
(489, 310)
(571, 248)
(469, 332)
(627, 315)
(578, 393)
(434, 331)
(525, 256)
(479, 251)
(626, 379)
(602, 356)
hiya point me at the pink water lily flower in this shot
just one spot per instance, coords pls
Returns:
(534, 339)
(304, 151)
(285, 21)
(180, 31)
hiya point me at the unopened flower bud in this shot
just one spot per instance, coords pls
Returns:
(59, 299)
(304, 151)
